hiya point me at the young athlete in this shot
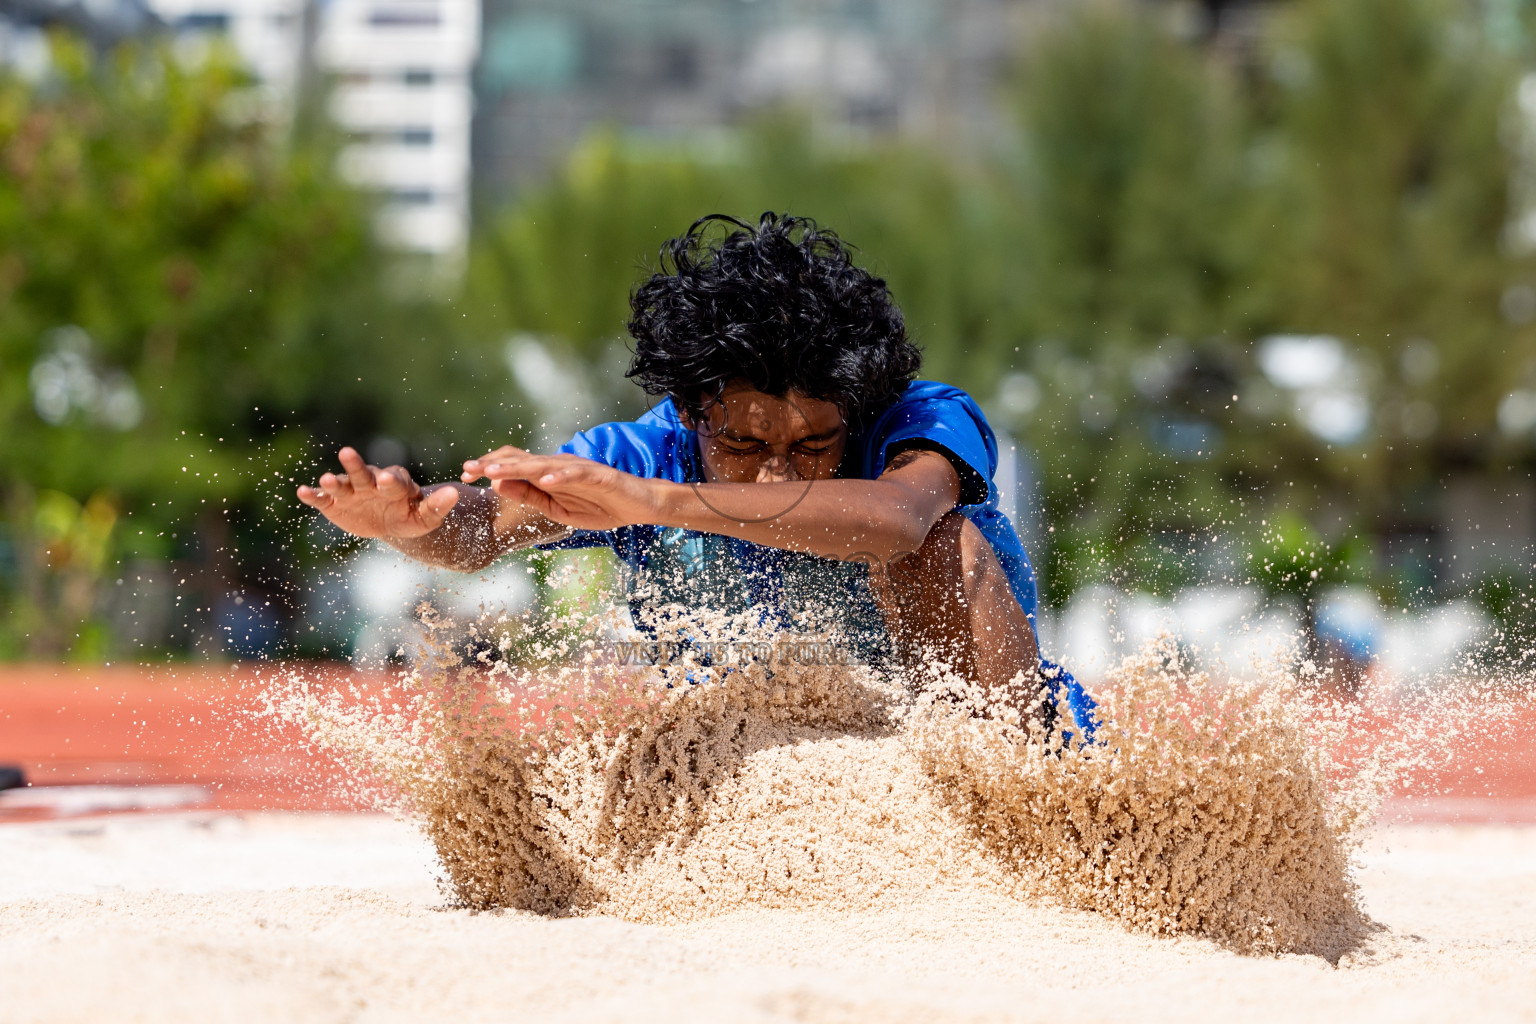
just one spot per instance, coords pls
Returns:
(793, 465)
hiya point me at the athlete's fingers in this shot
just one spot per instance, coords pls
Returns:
(573, 477)
(515, 468)
(314, 498)
(512, 490)
(505, 452)
(568, 474)
(335, 485)
(474, 469)
(358, 471)
(434, 508)
(524, 493)
(395, 482)
(535, 467)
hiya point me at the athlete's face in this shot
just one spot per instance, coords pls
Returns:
(751, 437)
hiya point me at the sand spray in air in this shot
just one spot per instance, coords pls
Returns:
(675, 792)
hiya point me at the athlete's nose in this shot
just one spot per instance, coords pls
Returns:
(777, 469)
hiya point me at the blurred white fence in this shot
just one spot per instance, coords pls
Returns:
(379, 590)
(1234, 631)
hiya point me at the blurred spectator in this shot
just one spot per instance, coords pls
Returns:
(1348, 629)
(247, 625)
(385, 592)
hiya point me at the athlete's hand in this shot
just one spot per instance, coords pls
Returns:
(474, 469)
(370, 502)
(571, 490)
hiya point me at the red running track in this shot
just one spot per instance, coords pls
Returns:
(189, 726)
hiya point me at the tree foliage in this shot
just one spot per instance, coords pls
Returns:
(192, 309)
(185, 304)
(1351, 179)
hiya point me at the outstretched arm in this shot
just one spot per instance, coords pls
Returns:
(451, 525)
(882, 520)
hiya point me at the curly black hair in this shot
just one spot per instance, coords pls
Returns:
(780, 306)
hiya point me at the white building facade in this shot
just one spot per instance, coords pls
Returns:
(399, 74)
(402, 88)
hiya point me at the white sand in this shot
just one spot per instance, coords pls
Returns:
(1207, 810)
(212, 917)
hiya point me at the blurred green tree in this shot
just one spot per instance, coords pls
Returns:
(1130, 182)
(193, 310)
(1394, 228)
(1353, 180)
(1130, 203)
(186, 303)
(561, 261)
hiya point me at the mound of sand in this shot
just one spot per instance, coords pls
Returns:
(678, 793)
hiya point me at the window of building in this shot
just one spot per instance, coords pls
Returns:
(203, 21)
(535, 52)
(405, 17)
(679, 64)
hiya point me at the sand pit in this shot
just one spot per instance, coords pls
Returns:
(172, 918)
(676, 793)
(794, 843)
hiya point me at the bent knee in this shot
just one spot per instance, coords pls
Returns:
(976, 552)
(954, 548)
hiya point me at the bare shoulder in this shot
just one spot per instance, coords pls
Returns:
(925, 470)
(908, 458)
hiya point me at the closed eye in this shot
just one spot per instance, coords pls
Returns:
(755, 447)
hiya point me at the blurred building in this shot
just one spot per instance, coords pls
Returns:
(410, 79)
(268, 34)
(552, 70)
(399, 74)
(23, 45)
(402, 72)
